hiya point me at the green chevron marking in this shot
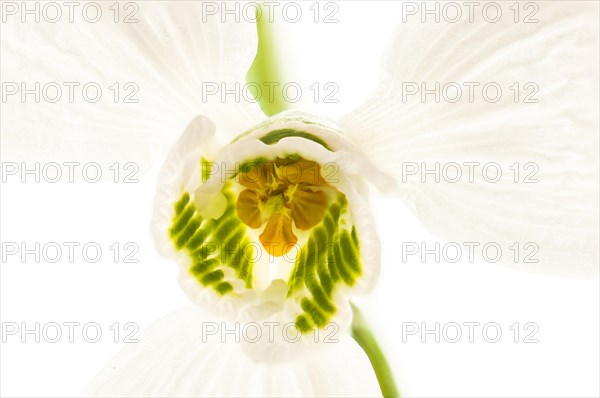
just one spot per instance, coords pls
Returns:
(275, 136)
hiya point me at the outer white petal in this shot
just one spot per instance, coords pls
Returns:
(559, 134)
(162, 61)
(171, 360)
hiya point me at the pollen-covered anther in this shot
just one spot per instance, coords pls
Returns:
(308, 208)
(278, 237)
(283, 193)
(248, 209)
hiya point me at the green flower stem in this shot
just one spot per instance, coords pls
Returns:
(364, 337)
(266, 68)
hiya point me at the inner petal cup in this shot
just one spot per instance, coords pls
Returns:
(288, 214)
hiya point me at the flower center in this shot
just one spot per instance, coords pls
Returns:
(285, 193)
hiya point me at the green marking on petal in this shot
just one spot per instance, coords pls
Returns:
(203, 266)
(314, 312)
(275, 136)
(225, 228)
(319, 294)
(212, 277)
(246, 166)
(212, 244)
(324, 277)
(246, 265)
(303, 324)
(182, 219)
(200, 235)
(341, 266)
(297, 279)
(204, 251)
(331, 264)
(206, 168)
(330, 258)
(188, 231)
(180, 204)
(350, 252)
(329, 225)
(223, 288)
(355, 237)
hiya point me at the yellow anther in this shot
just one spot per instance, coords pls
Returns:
(282, 192)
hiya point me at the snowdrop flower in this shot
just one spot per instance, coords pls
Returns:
(268, 217)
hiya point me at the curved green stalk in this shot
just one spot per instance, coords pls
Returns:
(266, 72)
(364, 337)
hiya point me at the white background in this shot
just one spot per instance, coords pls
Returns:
(563, 363)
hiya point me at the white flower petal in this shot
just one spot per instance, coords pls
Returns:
(559, 134)
(171, 360)
(166, 58)
(197, 141)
